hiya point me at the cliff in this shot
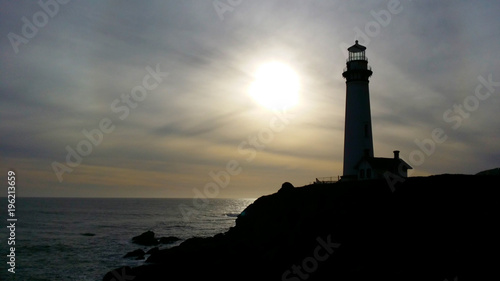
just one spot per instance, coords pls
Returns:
(426, 228)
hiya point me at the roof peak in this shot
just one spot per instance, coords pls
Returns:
(356, 48)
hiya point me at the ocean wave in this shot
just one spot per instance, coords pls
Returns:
(232, 215)
(62, 240)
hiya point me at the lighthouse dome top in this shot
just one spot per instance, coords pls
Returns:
(356, 48)
(357, 53)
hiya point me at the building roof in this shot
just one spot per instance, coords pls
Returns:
(356, 48)
(380, 164)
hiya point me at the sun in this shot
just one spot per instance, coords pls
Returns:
(276, 86)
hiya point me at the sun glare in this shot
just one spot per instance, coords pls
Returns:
(276, 86)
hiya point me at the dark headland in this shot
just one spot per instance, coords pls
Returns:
(425, 228)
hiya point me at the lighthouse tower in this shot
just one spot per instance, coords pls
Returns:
(358, 140)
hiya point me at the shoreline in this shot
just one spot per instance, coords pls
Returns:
(411, 233)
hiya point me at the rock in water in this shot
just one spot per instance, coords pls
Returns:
(152, 250)
(138, 254)
(168, 240)
(146, 239)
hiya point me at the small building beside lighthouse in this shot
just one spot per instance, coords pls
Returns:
(359, 160)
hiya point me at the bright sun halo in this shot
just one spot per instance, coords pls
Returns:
(276, 86)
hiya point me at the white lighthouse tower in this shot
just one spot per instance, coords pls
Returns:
(358, 140)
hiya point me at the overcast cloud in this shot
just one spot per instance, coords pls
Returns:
(427, 57)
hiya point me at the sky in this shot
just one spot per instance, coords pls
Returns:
(151, 98)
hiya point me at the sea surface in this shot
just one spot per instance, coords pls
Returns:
(82, 239)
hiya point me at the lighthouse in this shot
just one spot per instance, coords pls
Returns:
(359, 160)
(358, 140)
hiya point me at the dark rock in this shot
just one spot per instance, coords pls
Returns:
(146, 239)
(87, 234)
(122, 273)
(152, 250)
(168, 240)
(139, 254)
(285, 187)
(492, 172)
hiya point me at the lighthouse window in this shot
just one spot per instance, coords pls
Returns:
(357, 56)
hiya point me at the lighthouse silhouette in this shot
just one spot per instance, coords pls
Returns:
(359, 160)
(358, 140)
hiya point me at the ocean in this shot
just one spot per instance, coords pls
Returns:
(80, 239)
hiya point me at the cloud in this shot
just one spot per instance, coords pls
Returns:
(426, 60)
